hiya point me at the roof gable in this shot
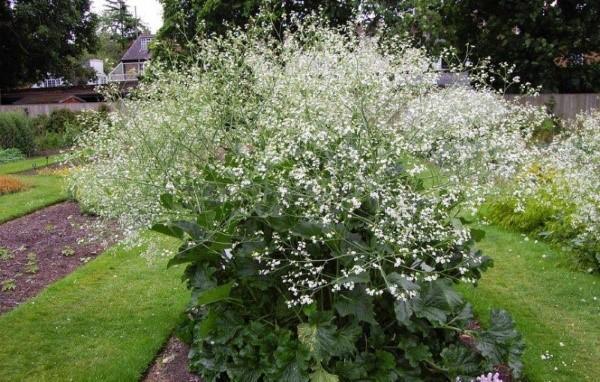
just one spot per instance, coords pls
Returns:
(138, 51)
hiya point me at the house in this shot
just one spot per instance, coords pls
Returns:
(95, 64)
(132, 63)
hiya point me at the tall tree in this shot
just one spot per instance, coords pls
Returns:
(118, 24)
(40, 38)
(534, 35)
(183, 19)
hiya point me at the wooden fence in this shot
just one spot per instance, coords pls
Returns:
(46, 108)
(565, 106)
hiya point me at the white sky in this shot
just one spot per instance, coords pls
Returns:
(150, 11)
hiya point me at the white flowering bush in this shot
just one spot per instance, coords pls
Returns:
(557, 196)
(316, 186)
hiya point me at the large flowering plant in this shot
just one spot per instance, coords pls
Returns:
(316, 186)
(558, 196)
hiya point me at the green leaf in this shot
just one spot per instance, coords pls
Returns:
(215, 294)
(403, 310)
(167, 229)
(206, 219)
(459, 360)
(477, 234)
(167, 201)
(320, 375)
(356, 303)
(207, 325)
(192, 229)
(324, 340)
(415, 352)
(197, 253)
(307, 230)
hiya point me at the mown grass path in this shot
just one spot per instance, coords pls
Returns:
(29, 164)
(104, 322)
(44, 190)
(556, 309)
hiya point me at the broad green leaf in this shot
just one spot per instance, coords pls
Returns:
(197, 253)
(215, 294)
(207, 325)
(321, 375)
(403, 310)
(167, 229)
(355, 303)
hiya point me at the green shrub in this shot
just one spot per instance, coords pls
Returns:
(16, 132)
(60, 120)
(61, 129)
(10, 155)
(547, 215)
(50, 141)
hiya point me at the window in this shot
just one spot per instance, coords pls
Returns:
(52, 82)
(145, 42)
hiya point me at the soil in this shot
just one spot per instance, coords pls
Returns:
(41, 247)
(170, 364)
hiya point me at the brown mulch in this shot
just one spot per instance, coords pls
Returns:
(62, 239)
(171, 364)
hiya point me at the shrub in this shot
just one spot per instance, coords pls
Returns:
(316, 189)
(16, 132)
(10, 155)
(558, 198)
(59, 120)
(9, 185)
(61, 129)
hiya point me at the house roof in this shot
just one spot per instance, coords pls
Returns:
(138, 51)
(49, 98)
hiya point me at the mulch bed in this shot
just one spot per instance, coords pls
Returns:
(171, 364)
(59, 239)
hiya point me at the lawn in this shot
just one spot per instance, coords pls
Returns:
(556, 309)
(104, 322)
(44, 190)
(28, 164)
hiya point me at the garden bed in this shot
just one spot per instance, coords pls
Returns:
(171, 364)
(44, 246)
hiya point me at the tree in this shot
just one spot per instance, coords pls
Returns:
(534, 35)
(185, 19)
(40, 38)
(118, 24)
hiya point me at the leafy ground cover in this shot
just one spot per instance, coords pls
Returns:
(104, 322)
(556, 309)
(42, 191)
(28, 164)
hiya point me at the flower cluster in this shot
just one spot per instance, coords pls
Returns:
(328, 129)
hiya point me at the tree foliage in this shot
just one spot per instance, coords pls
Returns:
(119, 25)
(40, 38)
(184, 20)
(547, 41)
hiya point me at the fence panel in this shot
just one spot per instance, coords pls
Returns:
(565, 106)
(46, 108)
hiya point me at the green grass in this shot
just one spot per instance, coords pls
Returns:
(44, 190)
(104, 322)
(28, 164)
(551, 304)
